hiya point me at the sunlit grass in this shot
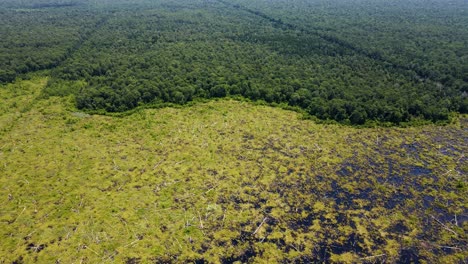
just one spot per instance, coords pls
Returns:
(223, 181)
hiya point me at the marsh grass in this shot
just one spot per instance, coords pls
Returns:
(223, 181)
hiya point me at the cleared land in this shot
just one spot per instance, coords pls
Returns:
(223, 181)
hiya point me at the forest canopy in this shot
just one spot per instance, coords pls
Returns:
(351, 61)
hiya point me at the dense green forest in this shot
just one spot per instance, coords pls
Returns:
(351, 61)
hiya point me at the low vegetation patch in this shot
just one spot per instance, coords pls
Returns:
(223, 181)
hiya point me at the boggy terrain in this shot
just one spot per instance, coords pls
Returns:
(223, 181)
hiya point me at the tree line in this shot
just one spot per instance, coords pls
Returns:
(169, 53)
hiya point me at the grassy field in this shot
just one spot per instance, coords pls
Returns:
(223, 181)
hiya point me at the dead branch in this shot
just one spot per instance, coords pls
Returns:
(454, 248)
(87, 247)
(157, 164)
(444, 226)
(259, 226)
(201, 222)
(19, 215)
(375, 256)
(132, 243)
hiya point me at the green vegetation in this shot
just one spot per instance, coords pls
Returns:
(223, 181)
(36, 39)
(110, 150)
(354, 62)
